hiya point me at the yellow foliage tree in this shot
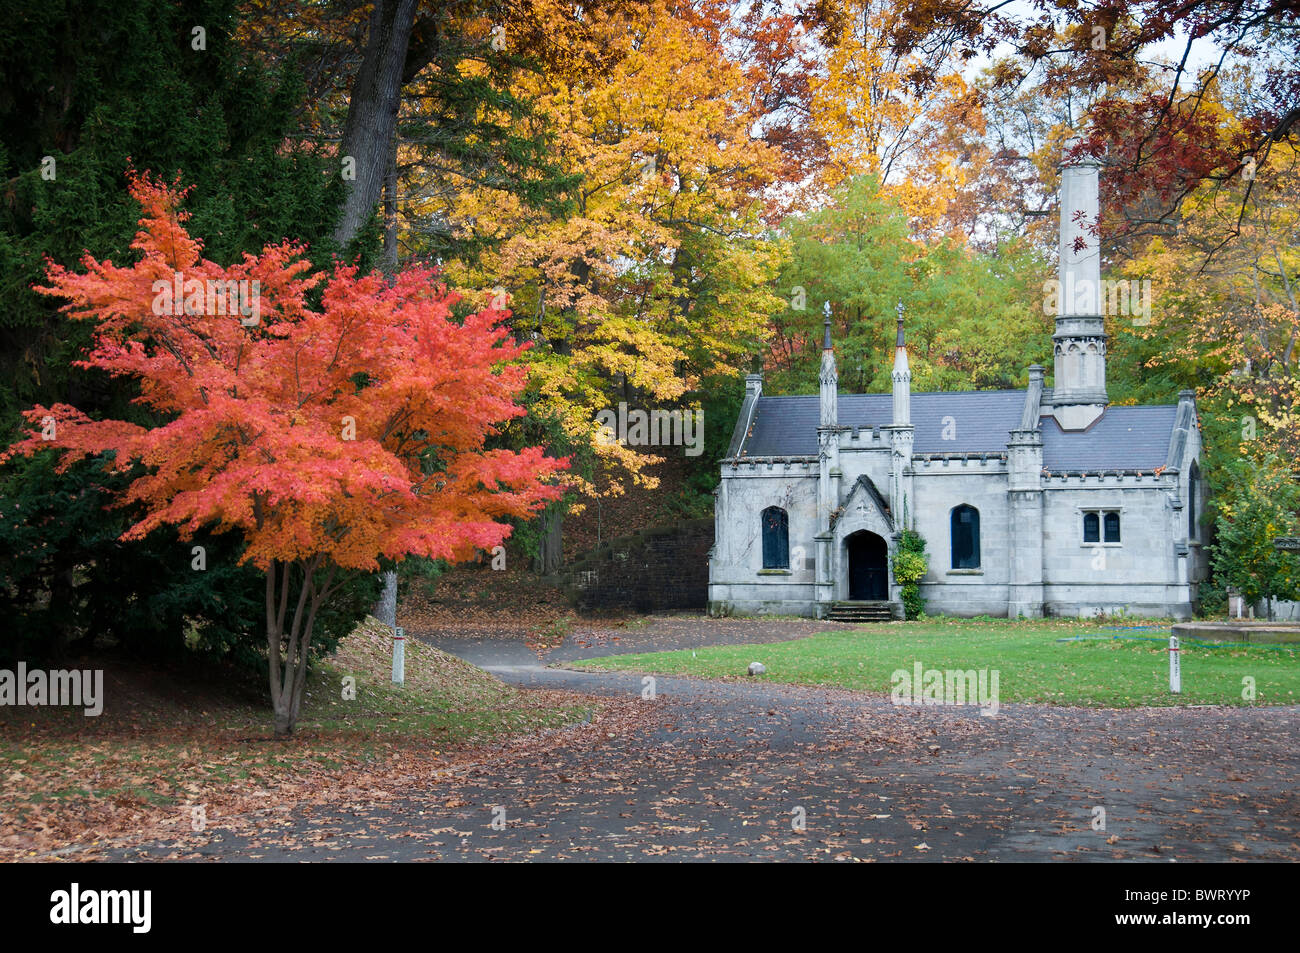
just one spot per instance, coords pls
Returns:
(659, 276)
(918, 138)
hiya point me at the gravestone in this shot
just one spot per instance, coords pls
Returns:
(1285, 544)
(1236, 604)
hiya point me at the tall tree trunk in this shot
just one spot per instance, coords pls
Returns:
(369, 140)
(550, 545)
(62, 611)
(390, 212)
(372, 112)
(386, 607)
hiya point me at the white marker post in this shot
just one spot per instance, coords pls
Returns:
(1175, 667)
(399, 655)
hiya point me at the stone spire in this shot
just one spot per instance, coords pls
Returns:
(1079, 391)
(830, 377)
(901, 434)
(902, 377)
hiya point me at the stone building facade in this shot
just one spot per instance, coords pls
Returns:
(1042, 501)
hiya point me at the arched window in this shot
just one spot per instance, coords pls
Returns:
(1110, 522)
(776, 538)
(1092, 527)
(965, 537)
(1101, 526)
(1193, 477)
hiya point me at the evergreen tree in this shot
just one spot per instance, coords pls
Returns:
(91, 89)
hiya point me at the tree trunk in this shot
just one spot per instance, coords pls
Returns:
(390, 213)
(288, 651)
(386, 607)
(62, 611)
(550, 545)
(372, 112)
(283, 721)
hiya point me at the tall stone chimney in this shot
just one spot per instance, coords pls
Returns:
(1079, 388)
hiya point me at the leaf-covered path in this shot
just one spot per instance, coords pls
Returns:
(730, 771)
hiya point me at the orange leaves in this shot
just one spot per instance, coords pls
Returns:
(350, 431)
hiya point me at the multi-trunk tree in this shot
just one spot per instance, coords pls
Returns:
(324, 437)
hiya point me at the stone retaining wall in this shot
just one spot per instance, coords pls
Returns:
(655, 569)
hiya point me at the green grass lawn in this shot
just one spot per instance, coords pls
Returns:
(1032, 665)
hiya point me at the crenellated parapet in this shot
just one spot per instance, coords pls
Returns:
(991, 463)
(1086, 479)
(770, 466)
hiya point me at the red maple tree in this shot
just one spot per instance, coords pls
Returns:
(326, 437)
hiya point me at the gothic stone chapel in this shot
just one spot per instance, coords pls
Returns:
(1044, 501)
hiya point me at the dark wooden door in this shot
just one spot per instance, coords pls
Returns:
(868, 567)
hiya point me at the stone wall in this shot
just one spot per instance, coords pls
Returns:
(656, 569)
(941, 485)
(738, 574)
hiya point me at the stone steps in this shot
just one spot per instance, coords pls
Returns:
(860, 612)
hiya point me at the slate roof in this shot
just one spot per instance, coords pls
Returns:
(1123, 438)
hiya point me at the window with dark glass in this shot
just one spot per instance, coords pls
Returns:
(1193, 477)
(1101, 527)
(1092, 527)
(776, 538)
(965, 537)
(1110, 521)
